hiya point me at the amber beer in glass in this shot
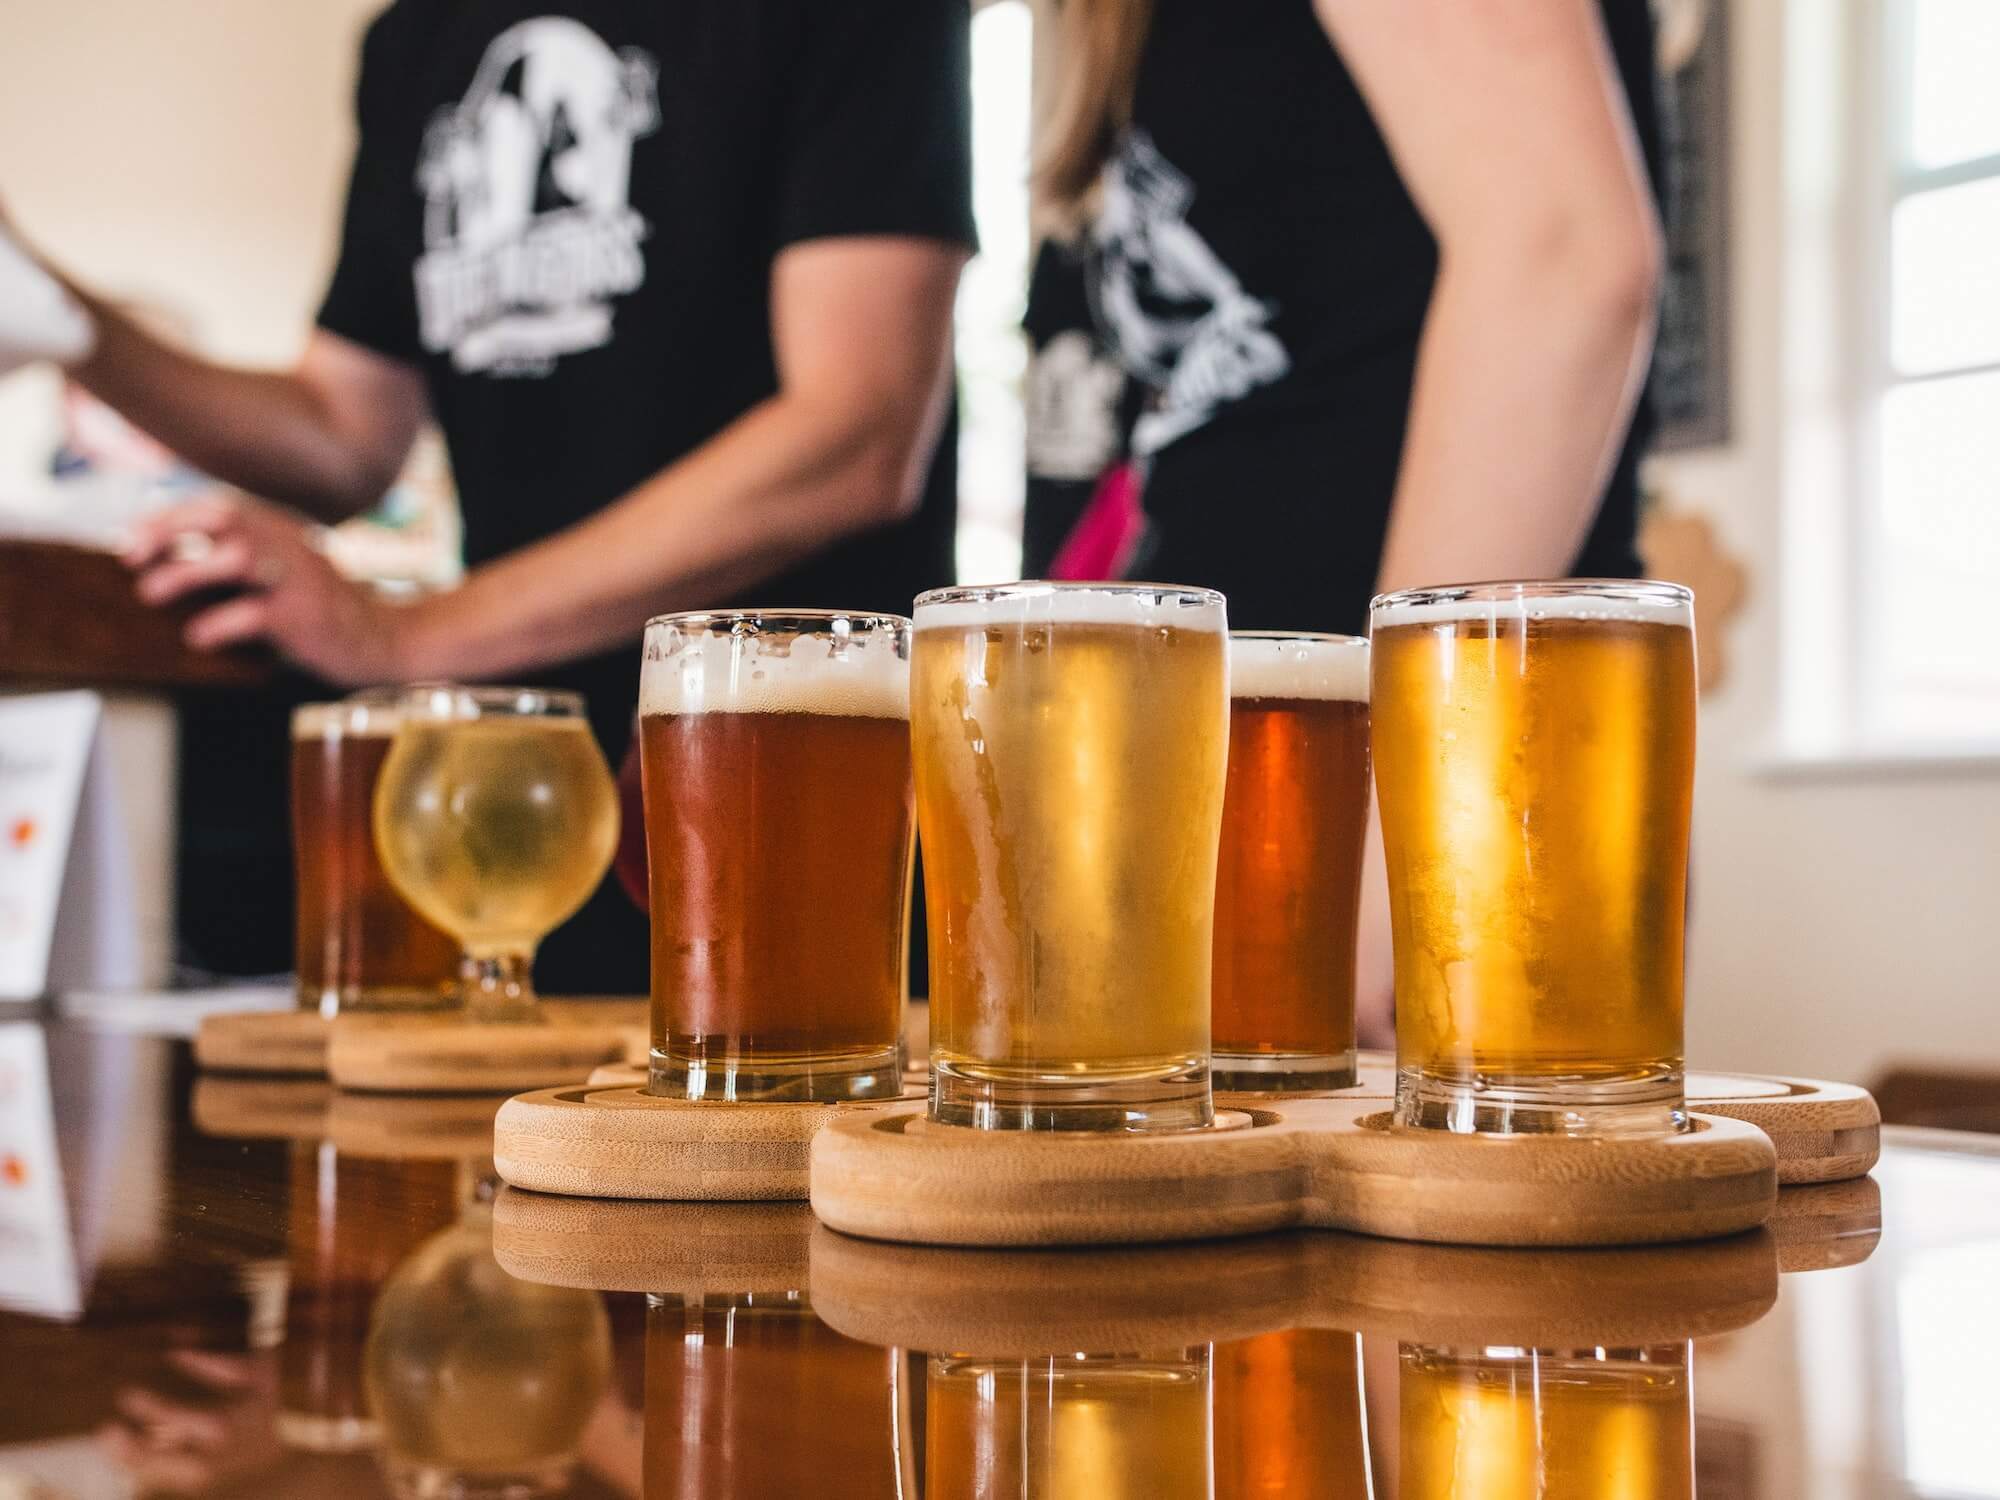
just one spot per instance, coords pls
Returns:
(359, 944)
(1534, 761)
(1288, 882)
(1559, 1424)
(1071, 742)
(776, 763)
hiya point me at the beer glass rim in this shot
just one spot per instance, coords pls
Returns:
(453, 700)
(1316, 637)
(1184, 594)
(799, 621)
(1641, 591)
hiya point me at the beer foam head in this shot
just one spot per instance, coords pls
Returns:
(848, 669)
(368, 714)
(1144, 604)
(1643, 602)
(1327, 668)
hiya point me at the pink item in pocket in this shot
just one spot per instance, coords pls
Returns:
(1107, 534)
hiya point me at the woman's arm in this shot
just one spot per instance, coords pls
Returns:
(1506, 120)
(861, 330)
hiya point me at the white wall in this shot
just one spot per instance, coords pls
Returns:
(1843, 921)
(187, 152)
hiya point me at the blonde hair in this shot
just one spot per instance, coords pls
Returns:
(1100, 42)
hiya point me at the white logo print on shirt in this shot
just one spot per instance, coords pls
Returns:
(1181, 320)
(528, 225)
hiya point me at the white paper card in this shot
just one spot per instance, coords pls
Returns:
(38, 1267)
(45, 748)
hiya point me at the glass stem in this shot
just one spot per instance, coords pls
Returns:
(499, 988)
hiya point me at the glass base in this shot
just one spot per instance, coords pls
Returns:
(781, 1079)
(1282, 1072)
(380, 1000)
(1174, 1095)
(310, 1434)
(410, 1480)
(1648, 1103)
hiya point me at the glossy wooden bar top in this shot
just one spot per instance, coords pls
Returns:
(288, 1292)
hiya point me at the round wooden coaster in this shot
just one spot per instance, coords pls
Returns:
(664, 1249)
(621, 1142)
(414, 1054)
(1823, 1132)
(413, 1127)
(261, 1109)
(1327, 1163)
(1025, 1303)
(263, 1041)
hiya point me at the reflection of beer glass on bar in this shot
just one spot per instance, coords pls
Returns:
(1288, 883)
(1288, 1416)
(1070, 743)
(360, 946)
(495, 816)
(1534, 760)
(776, 757)
(750, 1394)
(353, 1221)
(1558, 1424)
(483, 1383)
(1107, 1426)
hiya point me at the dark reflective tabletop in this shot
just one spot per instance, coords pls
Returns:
(260, 1288)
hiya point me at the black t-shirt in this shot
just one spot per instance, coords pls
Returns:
(565, 212)
(1257, 262)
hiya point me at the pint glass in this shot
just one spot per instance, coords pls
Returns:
(1288, 883)
(1070, 747)
(359, 945)
(1534, 760)
(775, 754)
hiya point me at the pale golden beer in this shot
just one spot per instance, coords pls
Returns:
(1111, 1427)
(1071, 743)
(495, 817)
(775, 751)
(1288, 881)
(1542, 1424)
(1534, 761)
(483, 1383)
(359, 946)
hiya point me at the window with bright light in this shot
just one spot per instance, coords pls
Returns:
(1928, 542)
(992, 354)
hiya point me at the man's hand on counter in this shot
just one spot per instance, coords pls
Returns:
(276, 585)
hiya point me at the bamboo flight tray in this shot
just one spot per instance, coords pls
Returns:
(449, 1054)
(612, 1140)
(1028, 1304)
(264, 1041)
(386, 1127)
(690, 1250)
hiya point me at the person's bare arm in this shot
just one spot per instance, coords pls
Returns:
(1506, 120)
(861, 329)
(327, 437)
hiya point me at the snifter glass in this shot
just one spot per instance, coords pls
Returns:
(1070, 745)
(359, 945)
(496, 817)
(1288, 883)
(775, 753)
(1534, 762)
